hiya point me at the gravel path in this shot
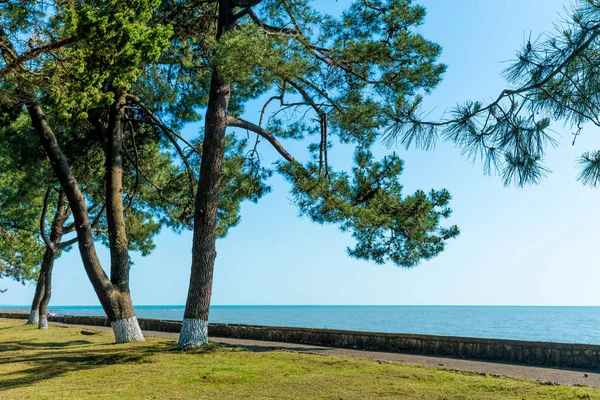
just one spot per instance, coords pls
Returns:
(541, 374)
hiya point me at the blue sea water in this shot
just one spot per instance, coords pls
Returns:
(552, 324)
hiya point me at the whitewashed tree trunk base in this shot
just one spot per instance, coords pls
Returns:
(34, 317)
(43, 322)
(127, 330)
(194, 334)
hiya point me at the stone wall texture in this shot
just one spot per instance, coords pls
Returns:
(549, 354)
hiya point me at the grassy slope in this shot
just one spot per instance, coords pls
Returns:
(64, 363)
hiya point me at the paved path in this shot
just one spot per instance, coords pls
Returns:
(541, 374)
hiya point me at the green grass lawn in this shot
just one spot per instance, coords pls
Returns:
(66, 363)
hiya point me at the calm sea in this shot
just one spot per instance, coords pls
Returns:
(555, 324)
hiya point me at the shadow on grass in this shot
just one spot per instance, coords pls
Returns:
(38, 361)
(58, 358)
(275, 347)
(28, 344)
(5, 327)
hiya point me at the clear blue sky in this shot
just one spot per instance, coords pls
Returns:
(532, 246)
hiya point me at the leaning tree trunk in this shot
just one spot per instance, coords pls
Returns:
(56, 233)
(34, 313)
(48, 264)
(116, 304)
(194, 330)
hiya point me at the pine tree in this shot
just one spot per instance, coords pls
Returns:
(21, 252)
(330, 80)
(118, 66)
(76, 94)
(554, 79)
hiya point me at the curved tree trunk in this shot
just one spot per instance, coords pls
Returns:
(56, 233)
(194, 330)
(48, 264)
(34, 313)
(116, 304)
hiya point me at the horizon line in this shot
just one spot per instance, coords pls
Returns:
(6, 306)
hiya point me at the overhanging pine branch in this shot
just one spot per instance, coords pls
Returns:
(17, 62)
(240, 123)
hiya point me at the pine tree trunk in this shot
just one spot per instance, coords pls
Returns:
(126, 328)
(117, 306)
(48, 264)
(194, 330)
(56, 233)
(34, 313)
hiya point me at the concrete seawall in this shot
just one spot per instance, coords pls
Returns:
(562, 355)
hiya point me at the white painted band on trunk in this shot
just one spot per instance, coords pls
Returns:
(194, 333)
(127, 330)
(34, 317)
(43, 322)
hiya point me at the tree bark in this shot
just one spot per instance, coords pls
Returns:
(47, 264)
(116, 305)
(34, 313)
(119, 253)
(194, 330)
(127, 326)
(56, 233)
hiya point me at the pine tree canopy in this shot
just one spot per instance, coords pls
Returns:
(21, 202)
(554, 78)
(325, 81)
(334, 81)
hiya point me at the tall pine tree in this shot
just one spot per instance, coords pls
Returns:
(330, 81)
